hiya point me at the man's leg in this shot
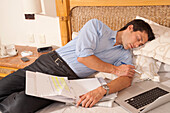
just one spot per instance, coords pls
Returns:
(13, 98)
(11, 83)
(12, 90)
(19, 102)
(15, 82)
(14, 85)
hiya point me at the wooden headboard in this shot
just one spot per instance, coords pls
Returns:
(73, 14)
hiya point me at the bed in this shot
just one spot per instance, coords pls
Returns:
(73, 14)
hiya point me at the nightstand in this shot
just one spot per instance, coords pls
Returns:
(11, 64)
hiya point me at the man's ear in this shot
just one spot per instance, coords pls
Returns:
(130, 27)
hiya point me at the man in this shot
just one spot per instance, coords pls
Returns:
(96, 48)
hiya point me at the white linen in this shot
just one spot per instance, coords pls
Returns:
(157, 49)
(148, 66)
(164, 68)
(62, 108)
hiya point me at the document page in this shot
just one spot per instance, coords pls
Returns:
(60, 88)
(46, 85)
(82, 86)
(31, 83)
(53, 85)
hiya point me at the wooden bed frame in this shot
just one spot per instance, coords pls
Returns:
(64, 8)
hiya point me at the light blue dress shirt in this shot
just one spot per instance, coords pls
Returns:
(95, 38)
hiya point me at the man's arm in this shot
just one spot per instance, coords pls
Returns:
(125, 73)
(92, 97)
(119, 84)
(95, 63)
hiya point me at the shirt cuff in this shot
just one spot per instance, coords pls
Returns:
(85, 53)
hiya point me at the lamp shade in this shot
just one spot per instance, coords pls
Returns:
(32, 6)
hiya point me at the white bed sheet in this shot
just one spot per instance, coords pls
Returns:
(62, 108)
(164, 68)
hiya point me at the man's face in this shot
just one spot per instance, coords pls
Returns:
(133, 39)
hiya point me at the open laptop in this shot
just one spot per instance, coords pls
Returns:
(143, 96)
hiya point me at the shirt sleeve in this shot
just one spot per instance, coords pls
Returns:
(89, 37)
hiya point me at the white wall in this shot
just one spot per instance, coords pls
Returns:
(14, 29)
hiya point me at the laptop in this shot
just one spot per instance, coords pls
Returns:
(143, 96)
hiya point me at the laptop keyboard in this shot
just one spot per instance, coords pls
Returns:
(146, 97)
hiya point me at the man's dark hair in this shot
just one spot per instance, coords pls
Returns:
(140, 25)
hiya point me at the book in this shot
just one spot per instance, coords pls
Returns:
(60, 88)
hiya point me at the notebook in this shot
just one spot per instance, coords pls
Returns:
(143, 96)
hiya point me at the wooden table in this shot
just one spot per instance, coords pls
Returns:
(11, 64)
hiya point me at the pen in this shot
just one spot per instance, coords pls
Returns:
(133, 69)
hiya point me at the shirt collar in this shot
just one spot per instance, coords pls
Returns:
(113, 36)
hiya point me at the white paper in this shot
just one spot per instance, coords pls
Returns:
(108, 103)
(82, 86)
(30, 79)
(62, 89)
(48, 85)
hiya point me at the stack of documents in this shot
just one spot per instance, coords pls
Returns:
(60, 88)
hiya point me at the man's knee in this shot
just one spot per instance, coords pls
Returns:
(21, 103)
(10, 84)
(12, 103)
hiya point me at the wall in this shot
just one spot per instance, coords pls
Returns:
(14, 29)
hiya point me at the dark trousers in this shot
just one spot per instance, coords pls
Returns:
(12, 88)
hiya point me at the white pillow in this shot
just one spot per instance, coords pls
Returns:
(148, 66)
(158, 48)
(74, 34)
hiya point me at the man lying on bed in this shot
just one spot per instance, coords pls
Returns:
(96, 48)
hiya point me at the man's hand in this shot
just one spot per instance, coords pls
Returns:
(92, 97)
(124, 70)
